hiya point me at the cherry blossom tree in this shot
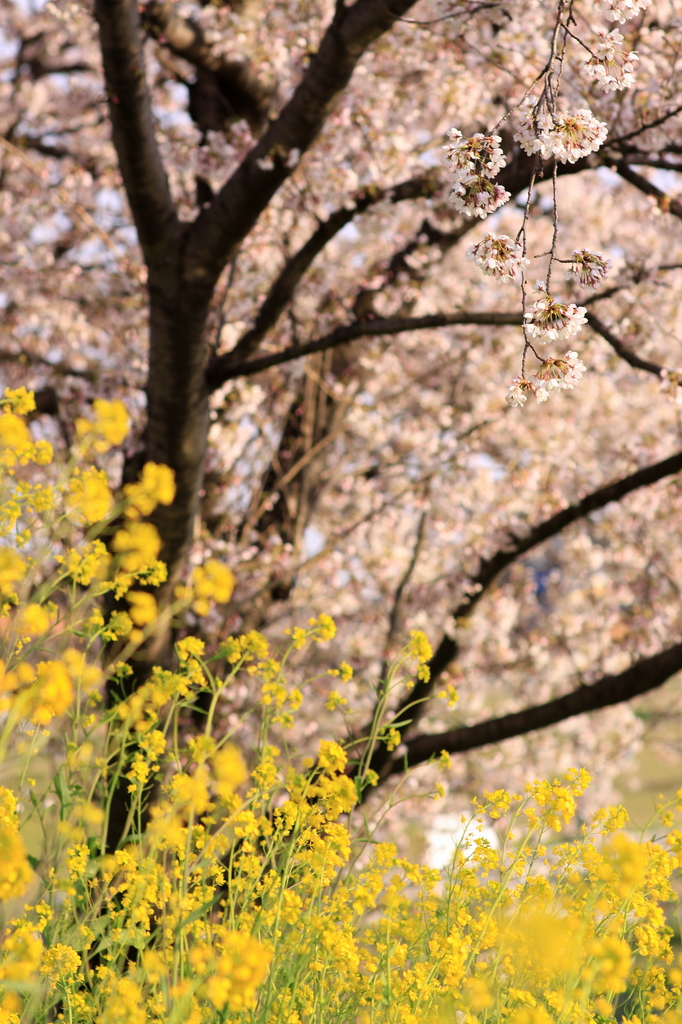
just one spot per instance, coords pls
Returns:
(261, 225)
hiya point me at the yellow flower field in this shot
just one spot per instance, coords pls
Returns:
(248, 884)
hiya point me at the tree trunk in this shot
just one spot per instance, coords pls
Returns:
(176, 435)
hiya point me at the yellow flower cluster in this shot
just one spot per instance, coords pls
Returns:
(420, 648)
(229, 898)
(12, 570)
(82, 499)
(156, 486)
(211, 581)
(90, 499)
(137, 545)
(39, 693)
(87, 564)
(19, 401)
(52, 693)
(17, 447)
(108, 428)
(60, 964)
(234, 967)
(15, 871)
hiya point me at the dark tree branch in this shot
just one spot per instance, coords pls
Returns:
(645, 127)
(34, 52)
(243, 93)
(645, 675)
(284, 286)
(514, 177)
(236, 208)
(61, 368)
(646, 160)
(638, 275)
(665, 202)
(620, 349)
(221, 370)
(133, 135)
(490, 569)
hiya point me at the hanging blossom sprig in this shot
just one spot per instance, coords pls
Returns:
(565, 137)
(547, 133)
(553, 375)
(561, 373)
(522, 388)
(498, 256)
(479, 153)
(610, 65)
(476, 160)
(549, 320)
(587, 268)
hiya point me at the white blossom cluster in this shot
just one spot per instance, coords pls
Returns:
(479, 152)
(477, 196)
(549, 320)
(521, 388)
(553, 375)
(588, 268)
(567, 137)
(623, 10)
(610, 65)
(498, 256)
(476, 160)
(561, 373)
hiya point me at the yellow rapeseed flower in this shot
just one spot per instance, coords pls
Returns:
(16, 443)
(419, 646)
(324, 626)
(611, 961)
(89, 498)
(190, 792)
(54, 692)
(230, 770)
(77, 860)
(138, 544)
(60, 963)
(240, 967)
(190, 647)
(211, 581)
(143, 607)
(331, 757)
(540, 941)
(125, 1004)
(19, 400)
(338, 794)
(22, 951)
(34, 620)
(89, 563)
(12, 569)
(109, 427)
(15, 870)
(156, 486)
